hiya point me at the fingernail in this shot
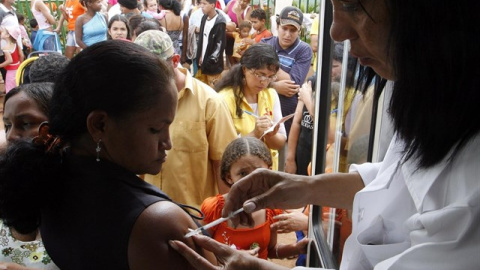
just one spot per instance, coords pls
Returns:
(173, 244)
(249, 207)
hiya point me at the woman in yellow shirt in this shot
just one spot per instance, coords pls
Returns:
(254, 106)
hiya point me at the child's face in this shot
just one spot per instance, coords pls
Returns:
(257, 24)
(152, 5)
(245, 32)
(118, 30)
(244, 166)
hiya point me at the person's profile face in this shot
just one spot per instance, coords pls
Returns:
(256, 23)
(22, 116)
(95, 5)
(287, 35)
(367, 28)
(244, 166)
(138, 142)
(206, 7)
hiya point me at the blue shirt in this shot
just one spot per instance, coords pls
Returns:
(295, 60)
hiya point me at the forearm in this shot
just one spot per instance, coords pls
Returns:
(283, 251)
(334, 190)
(276, 141)
(282, 75)
(293, 140)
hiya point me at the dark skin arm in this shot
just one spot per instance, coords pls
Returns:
(148, 246)
(79, 31)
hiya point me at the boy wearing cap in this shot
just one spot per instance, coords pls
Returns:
(201, 130)
(211, 44)
(294, 55)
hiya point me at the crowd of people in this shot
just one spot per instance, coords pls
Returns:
(157, 117)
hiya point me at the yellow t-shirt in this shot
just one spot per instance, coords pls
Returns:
(200, 132)
(246, 123)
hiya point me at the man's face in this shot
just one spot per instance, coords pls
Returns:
(287, 35)
(257, 24)
(206, 7)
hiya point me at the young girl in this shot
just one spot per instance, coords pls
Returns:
(9, 36)
(241, 157)
(91, 27)
(118, 28)
(241, 38)
(45, 39)
(151, 7)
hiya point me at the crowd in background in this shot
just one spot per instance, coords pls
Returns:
(234, 79)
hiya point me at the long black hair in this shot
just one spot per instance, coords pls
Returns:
(114, 76)
(257, 56)
(435, 99)
(172, 5)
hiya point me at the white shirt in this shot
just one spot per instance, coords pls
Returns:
(206, 32)
(196, 17)
(417, 219)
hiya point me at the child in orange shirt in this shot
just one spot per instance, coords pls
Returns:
(241, 157)
(258, 19)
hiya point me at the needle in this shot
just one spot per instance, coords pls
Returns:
(213, 223)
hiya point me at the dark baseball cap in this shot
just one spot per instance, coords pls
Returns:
(291, 16)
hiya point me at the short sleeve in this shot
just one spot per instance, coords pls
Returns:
(212, 208)
(271, 213)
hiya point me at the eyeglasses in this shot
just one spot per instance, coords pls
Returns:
(262, 77)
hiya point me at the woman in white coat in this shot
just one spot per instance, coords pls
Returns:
(420, 207)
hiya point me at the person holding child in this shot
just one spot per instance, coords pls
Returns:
(252, 104)
(241, 157)
(241, 39)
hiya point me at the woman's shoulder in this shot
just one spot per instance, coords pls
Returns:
(148, 243)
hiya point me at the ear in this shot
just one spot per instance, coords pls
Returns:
(228, 179)
(43, 130)
(175, 60)
(96, 124)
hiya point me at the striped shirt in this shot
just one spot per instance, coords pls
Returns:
(295, 61)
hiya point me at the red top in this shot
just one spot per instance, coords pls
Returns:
(15, 60)
(242, 238)
(264, 34)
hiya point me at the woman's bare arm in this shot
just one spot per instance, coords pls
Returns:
(148, 246)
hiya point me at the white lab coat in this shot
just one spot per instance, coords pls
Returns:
(406, 218)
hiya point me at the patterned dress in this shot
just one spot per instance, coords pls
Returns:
(30, 254)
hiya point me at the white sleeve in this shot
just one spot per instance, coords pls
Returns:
(277, 115)
(368, 171)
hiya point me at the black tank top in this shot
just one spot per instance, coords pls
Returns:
(88, 223)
